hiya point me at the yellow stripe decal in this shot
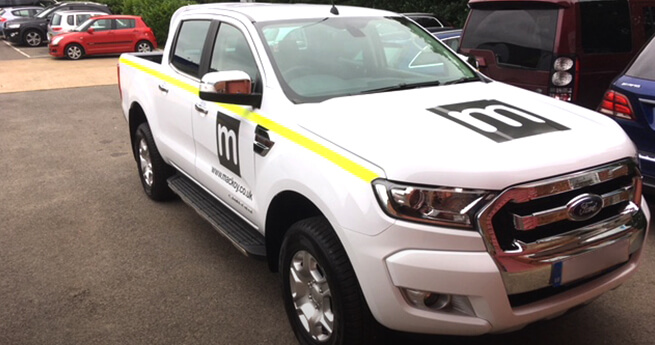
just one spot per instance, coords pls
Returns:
(347, 164)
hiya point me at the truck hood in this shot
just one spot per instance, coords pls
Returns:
(473, 135)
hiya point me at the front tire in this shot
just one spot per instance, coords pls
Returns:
(33, 38)
(74, 51)
(144, 47)
(322, 297)
(153, 171)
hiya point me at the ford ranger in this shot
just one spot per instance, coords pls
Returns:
(385, 179)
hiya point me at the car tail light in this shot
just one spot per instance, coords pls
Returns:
(616, 105)
(56, 28)
(2, 19)
(563, 78)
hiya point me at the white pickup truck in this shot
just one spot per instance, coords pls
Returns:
(383, 177)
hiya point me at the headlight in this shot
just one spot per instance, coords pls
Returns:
(13, 26)
(56, 40)
(434, 205)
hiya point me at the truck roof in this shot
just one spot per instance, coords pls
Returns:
(257, 11)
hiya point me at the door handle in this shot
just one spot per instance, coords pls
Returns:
(263, 143)
(163, 88)
(201, 109)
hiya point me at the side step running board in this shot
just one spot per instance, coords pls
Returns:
(243, 236)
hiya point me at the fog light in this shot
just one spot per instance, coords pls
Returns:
(426, 299)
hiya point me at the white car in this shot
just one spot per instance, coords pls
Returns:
(66, 21)
(381, 175)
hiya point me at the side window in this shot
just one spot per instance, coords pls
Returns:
(649, 21)
(70, 20)
(101, 25)
(231, 52)
(605, 27)
(81, 18)
(188, 46)
(125, 24)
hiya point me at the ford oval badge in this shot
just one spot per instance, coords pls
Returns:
(584, 207)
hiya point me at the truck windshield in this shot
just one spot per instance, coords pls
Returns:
(519, 37)
(318, 59)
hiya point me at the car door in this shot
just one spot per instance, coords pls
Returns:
(102, 38)
(225, 158)
(125, 34)
(175, 97)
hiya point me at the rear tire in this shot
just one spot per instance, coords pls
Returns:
(143, 47)
(74, 51)
(153, 171)
(322, 296)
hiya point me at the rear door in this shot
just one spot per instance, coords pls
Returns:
(125, 34)
(176, 96)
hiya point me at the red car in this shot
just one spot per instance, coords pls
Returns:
(105, 35)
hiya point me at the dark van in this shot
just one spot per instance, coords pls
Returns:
(568, 49)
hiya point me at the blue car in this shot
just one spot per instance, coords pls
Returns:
(630, 100)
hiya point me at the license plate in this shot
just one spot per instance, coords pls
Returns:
(587, 264)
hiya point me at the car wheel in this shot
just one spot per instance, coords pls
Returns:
(153, 171)
(33, 38)
(74, 51)
(322, 297)
(144, 47)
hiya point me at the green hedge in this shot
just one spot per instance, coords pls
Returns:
(157, 13)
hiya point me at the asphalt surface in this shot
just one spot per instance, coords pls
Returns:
(86, 258)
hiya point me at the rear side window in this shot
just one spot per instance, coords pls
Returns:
(56, 20)
(642, 67)
(70, 20)
(605, 27)
(188, 46)
(81, 18)
(125, 24)
(521, 37)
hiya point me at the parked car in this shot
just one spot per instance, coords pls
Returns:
(567, 49)
(429, 21)
(33, 31)
(109, 34)
(16, 3)
(630, 100)
(66, 21)
(450, 38)
(11, 13)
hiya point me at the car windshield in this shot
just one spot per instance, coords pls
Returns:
(85, 25)
(47, 11)
(318, 59)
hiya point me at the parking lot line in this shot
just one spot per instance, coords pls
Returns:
(18, 50)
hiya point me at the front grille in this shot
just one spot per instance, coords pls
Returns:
(508, 235)
(529, 228)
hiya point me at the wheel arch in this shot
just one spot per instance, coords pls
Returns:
(285, 209)
(137, 116)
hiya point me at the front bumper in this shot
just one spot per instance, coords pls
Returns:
(56, 50)
(12, 35)
(472, 277)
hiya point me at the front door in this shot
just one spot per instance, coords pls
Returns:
(225, 159)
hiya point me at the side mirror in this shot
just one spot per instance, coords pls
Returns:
(473, 61)
(91, 30)
(229, 87)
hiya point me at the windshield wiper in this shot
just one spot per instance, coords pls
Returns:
(462, 80)
(402, 86)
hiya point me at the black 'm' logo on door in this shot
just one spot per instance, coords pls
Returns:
(227, 140)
